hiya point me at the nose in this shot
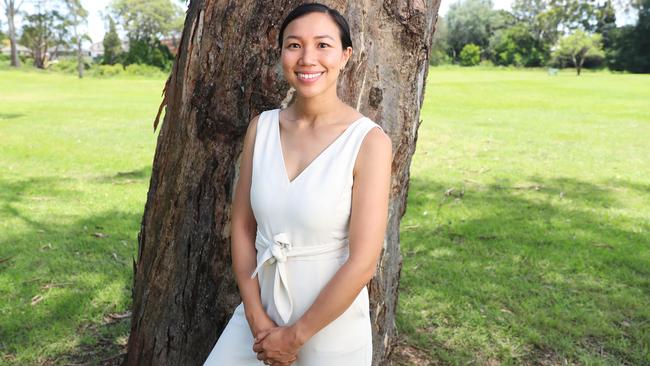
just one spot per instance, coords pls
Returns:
(308, 56)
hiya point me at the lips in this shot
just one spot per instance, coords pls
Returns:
(309, 77)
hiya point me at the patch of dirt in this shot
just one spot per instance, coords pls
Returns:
(404, 354)
(539, 356)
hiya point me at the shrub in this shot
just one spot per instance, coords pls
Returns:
(106, 70)
(144, 70)
(67, 66)
(517, 46)
(486, 63)
(470, 55)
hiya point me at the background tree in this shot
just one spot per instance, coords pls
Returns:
(112, 44)
(578, 46)
(606, 23)
(642, 39)
(11, 8)
(44, 30)
(226, 72)
(632, 43)
(542, 20)
(77, 17)
(469, 21)
(439, 45)
(517, 46)
(145, 23)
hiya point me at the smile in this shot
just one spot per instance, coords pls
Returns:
(309, 77)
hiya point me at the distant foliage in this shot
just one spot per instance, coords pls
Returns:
(526, 35)
(43, 32)
(65, 65)
(112, 44)
(439, 46)
(149, 52)
(143, 70)
(630, 45)
(470, 55)
(469, 21)
(575, 48)
(517, 46)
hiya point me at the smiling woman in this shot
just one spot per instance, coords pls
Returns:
(309, 213)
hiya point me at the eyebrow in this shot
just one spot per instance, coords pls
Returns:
(323, 36)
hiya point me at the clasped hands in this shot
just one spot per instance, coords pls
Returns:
(275, 345)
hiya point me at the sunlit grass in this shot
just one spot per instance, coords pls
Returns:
(75, 161)
(525, 239)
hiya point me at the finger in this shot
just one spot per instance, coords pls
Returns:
(261, 356)
(261, 335)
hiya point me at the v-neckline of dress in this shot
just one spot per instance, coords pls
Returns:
(306, 168)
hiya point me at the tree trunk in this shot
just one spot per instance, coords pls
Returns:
(581, 62)
(226, 71)
(11, 13)
(80, 58)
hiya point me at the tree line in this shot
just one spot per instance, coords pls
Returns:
(54, 28)
(554, 33)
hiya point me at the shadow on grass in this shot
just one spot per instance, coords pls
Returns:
(30, 190)
(4, 116)
(60, 282)
(126, 177)
(539, 273)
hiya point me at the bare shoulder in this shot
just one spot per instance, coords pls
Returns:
(252, 125)
(249, 138)
(376, 141)
(376, 150)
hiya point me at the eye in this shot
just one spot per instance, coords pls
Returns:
(323, 44)
(290, 45)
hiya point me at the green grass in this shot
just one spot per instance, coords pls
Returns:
(539, 254)
(75, 161)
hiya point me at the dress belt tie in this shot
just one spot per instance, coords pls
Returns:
(276, 252)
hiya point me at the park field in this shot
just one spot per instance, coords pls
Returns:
(526, 239)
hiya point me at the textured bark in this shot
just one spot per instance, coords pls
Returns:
(227, 71)
(10, 10)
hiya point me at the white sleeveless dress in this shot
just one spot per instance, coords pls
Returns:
(301, 241)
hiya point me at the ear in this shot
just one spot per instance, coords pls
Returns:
(347, 54)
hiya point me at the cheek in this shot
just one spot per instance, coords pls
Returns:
(286, 63)
(332, 60)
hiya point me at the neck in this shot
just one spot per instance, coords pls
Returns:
(317, 108)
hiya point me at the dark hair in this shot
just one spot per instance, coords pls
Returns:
(305, 9)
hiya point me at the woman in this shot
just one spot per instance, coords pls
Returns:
(309, 213)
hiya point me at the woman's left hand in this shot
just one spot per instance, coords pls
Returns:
(277, 345)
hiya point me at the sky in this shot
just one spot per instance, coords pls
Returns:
(96, 9)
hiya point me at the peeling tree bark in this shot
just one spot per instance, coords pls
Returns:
(227, 71)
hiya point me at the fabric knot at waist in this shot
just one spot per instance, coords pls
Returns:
(280, 249)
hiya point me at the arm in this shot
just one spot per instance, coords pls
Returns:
(368, 221)
(243, 229)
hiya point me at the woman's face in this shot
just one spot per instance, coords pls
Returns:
(312, 54)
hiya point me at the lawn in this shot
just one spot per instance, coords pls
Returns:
(527, 234)
(75, 161)
(526, 238)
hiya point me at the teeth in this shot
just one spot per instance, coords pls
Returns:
(309, 76)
